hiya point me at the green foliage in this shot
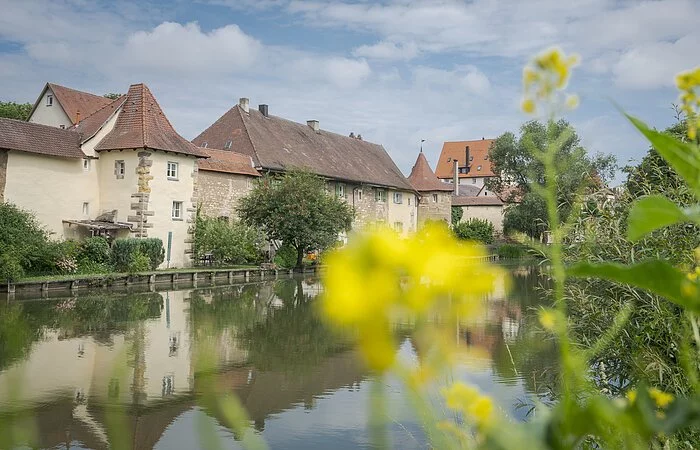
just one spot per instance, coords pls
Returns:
(112, 96)
(286, 257)
(229, 243)
(475, 230)
(511, 251)
(456, 215)
(127, 254)
(516, 161)
(18, 111)
(296, 209)
(95, 249)
(24, 244)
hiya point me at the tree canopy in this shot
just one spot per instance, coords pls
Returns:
(112, 95)
(515, 161)
(296, 209)
(12, 110)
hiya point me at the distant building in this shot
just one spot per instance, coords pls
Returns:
(484, 207)
(358, 171)
(469, 158)
(435, 196)
(63, 107)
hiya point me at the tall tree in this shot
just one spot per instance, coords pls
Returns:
(296, 209)
(12, 110)
(112, 95)
(514, 160)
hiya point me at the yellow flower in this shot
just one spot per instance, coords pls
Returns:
(661, 398)
(467, 400)
(548, 319)
(631, 395)
(528, 106)
(688, 83)
(482, 411)
(548, 73)
(572, 101)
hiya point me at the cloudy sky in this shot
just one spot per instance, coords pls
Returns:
(396, 71)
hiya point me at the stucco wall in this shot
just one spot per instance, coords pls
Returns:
(404, 212)
(50, 115)
(115, 193)
(429, 209)
(3, 173)
(492, 213)
(53, 188)
(218, 193)
(88, 147)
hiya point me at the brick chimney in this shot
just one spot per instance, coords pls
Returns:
(263, 110)
(244, 104)
(314, 125)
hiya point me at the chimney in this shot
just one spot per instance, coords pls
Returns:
(263, 109)
(455, 176)
(244, 104)
(359, 137)
(314, 125)
(352, 134)
(467, 162)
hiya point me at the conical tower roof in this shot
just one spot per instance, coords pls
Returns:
(423, 178)
(142, 124)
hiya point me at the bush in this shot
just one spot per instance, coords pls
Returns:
(24, 244)
(475, 230)
(95, 249)
(139, 263)
(511, 251)
(126, 251)
(229, 243)
(286, 257)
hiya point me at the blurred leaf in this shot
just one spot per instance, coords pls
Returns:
(683, 157)
(655, 276)
(650, 213)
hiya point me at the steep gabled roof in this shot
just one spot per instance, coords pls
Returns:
(91, 124)
(142, 124)
(227, 162)
(76, 104)
(277, 144)
(479, 151)
(36, 138)
(423, 178)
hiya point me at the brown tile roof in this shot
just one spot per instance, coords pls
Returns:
(91, 124)
(142, 124)
(463, 200)
(77, 104)
(277, 144)
(228, 162)
(42, 139)
(479, 149)
(423, 178)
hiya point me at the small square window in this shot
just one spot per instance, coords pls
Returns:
(172, 170)
(435, 198)
(49, 100)
(86, 164)
(86, 208)
(119, 168)
(359, 194)
(398, 198)
(380, 195)
(177, 211)
(63, 127)
(340, 190)
(228, 144)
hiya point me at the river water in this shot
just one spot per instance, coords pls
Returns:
(66, 361)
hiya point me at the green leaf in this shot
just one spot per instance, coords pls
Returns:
(650, 213)
(683, 157)
(656, 276)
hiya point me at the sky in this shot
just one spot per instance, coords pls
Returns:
(395, 71)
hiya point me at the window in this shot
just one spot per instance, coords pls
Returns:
(63, 127)
(380, 195)
(398, 226)
(86, 208)
(172, 170)
(119, 169)
(398, 198)
(86, 164)
(227, 145)
(49, 100)
(435, 198)
(409, 200)
(340, 190)
(177, 211)
(204, 144)
(359, 194)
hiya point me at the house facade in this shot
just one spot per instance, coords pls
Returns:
(466, 161)
(360, 172)
(489, 208)
(435, 196)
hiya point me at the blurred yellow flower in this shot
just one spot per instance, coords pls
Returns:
(661, 398)
(546, 75)
(631, 395)
(572, 101)
(548, 319)
(467, 400)
(688, 83)
(528, 106)
(482, 411)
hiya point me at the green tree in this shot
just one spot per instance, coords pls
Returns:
(513, 161)
(12, 110)
(296, 209)
(112, 95)
(24, 243)
(456, 215)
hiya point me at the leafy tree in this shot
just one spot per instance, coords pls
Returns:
(112, 96)
(24, 243)
(457, 213)
(230, 243)
(515, 162)
(296, 209)
(12, 110)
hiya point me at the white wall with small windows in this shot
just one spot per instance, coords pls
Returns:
(172, 170)
(401, 212)
(49, 112)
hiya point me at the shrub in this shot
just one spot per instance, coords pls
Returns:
(139, 263)
(125, 251)
(10, 267)
(86, 266)
(456, 215)
(286, 256)
(24, 244)
(511, 251)
(95, 249)
(230, 243)
(475, 230)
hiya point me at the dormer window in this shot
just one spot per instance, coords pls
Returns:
(478, 167)
(204, 144)
(49, 100)
(63, 127)
(227, 145)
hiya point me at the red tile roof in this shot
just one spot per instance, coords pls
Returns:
(142, 124)
(423, 178)
(42, 139)
(227, 162)
(478, 149)
(463, 200)
(77, 104)
(277, 144)
(91, 124)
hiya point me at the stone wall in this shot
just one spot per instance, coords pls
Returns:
(218, 193)
(3, 173)
(367, 208)
(430, 208)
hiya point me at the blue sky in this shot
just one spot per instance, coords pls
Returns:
(396, 71)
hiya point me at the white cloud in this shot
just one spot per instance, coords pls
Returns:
(464, 79)
(388, 51)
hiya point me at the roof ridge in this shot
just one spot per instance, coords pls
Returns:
(101, 108)
(40, 125)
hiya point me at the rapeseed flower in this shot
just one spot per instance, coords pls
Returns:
(548, 319)
(467, 400)
(661, 398)
(545, 76)
(688, 83)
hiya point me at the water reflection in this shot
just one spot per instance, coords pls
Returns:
(301, 385)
